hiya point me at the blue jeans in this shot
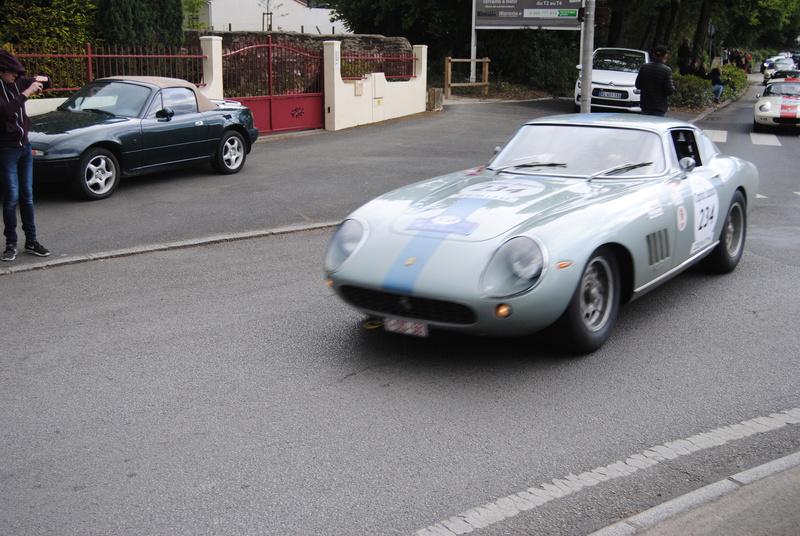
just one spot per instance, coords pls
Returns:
(717, 91)
(16, 171)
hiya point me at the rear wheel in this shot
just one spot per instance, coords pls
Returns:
(231, 153)
(97, 175)
(728, 252)
(593, 310)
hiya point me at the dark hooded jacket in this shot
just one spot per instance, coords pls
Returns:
(655, 82)
(14, 121)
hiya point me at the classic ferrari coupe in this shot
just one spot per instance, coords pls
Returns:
(131, 125)
(575, 215)
(778, 106)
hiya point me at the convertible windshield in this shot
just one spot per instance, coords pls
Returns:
(110, 98)
(783, 89)
(586, 151)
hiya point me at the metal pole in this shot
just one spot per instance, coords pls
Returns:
(587, 47)
(473, 46)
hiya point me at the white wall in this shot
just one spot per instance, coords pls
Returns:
(359, 102)
(287, 16)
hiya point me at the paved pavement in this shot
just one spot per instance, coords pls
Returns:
(762, 501)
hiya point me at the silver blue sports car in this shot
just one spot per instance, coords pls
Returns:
(575, 215)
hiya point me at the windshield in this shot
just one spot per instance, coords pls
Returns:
(626, 61)
(584, 151)
(111, 98)
(783, 90)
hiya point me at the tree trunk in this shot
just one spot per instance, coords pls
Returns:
(702, 29)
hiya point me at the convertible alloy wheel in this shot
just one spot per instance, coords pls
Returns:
(728, 253)
(231, 153)
(593, 310)
(97, 175)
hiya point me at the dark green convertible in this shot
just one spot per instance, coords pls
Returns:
(131, 125)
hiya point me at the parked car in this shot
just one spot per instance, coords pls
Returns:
(130, 125)
(778, 106)
(575, 215)
(614, 72)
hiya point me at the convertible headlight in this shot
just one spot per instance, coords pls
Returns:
(345, 240)
(765, 107)
(515, 267)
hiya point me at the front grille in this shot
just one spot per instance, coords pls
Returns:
(614, 102)
(786, 120)
(404, 306)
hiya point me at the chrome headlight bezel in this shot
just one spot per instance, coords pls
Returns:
(346, 240)
(765, 107)
(516, 267)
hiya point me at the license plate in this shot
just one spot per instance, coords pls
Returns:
(611, 94)
(406, 327)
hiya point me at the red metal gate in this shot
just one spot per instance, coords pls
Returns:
(281, 85)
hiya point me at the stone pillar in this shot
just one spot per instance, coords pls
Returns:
(211, 46)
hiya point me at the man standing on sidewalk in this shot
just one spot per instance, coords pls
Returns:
(655, 83)
(16, 160)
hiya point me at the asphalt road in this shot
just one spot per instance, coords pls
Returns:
(222, 389)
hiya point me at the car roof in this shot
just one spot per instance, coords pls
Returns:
(203, 103)
(618, 120)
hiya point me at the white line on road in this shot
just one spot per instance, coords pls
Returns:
(511, 505)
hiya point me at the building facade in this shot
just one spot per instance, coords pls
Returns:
(303, 16)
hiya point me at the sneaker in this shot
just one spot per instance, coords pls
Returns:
(9, 254)
(35, 248)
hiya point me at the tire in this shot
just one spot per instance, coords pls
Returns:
(593, 310)
(728, 252)
(231, 153)
(97, 175)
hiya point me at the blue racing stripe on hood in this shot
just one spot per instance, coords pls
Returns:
(408, 266)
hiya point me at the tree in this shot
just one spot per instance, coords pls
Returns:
(140, 22)
(46, 22)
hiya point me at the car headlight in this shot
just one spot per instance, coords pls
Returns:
(517, 266)
(345, 240)
(765, 107)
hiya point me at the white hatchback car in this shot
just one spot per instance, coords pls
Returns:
(614, 72)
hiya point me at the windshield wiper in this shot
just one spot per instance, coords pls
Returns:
(98, 111)
(530, 165)
(616, 170)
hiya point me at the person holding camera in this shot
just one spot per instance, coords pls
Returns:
(16, 159)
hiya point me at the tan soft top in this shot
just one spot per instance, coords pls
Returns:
(203, 104)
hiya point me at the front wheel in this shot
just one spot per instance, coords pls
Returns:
(231, 153)
(728, 252)
(593, 310)
(97, 175)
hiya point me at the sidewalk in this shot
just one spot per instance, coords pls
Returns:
(763, 501)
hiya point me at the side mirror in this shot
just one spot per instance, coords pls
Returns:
(496, 149)
(166, 113)
(687, 164)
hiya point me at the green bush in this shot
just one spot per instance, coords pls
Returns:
(694, 92)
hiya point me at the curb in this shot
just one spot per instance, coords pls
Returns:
(138, 250)
(681, 505)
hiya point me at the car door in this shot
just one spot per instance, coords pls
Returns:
(173, 131)
(696, 198)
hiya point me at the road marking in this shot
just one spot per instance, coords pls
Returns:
(764, 139)
(511, 505)
(717, 136)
